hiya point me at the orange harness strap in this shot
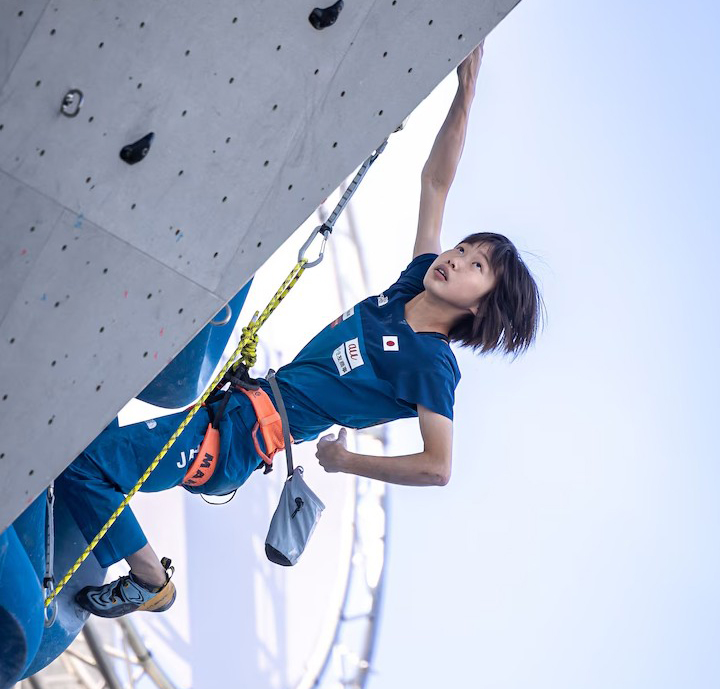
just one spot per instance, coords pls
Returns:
(205, 461)
(269, 424)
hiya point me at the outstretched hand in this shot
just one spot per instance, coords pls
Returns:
(331, 451)
(469, 68)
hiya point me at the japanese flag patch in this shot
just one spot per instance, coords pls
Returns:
(390, 343)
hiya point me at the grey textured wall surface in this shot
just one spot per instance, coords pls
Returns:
(108, 269)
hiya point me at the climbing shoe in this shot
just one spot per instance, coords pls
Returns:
(128, 594)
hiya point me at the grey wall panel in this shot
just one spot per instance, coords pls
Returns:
(249, 169)
(89, 326)
(257, 118)
(26, 224)
(17, 23)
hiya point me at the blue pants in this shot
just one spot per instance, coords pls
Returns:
(95, 484)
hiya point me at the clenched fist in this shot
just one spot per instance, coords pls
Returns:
(332, 451)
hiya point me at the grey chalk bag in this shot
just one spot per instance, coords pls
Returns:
(299, 509)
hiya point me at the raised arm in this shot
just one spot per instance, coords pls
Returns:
(441, 165)
(431, 467)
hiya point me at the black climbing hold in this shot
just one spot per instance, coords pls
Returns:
(134, 153)
(322, 18)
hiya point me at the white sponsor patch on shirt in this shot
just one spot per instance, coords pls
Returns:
(352, 348)
(340, 359)
(151, 423)
(347, 356)
(382, 300)
(390, 343)
(348, 313)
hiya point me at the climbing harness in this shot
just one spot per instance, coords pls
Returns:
(245, 354)
(268, 422)
(50, 611)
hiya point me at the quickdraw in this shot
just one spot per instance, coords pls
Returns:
(49, 578)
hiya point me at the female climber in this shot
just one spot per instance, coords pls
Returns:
(388, 357)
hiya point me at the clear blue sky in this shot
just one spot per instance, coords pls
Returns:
(576, 545)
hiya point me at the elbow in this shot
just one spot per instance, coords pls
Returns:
(442, 479)
(442, 473)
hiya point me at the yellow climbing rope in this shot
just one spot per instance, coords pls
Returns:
(246, 351)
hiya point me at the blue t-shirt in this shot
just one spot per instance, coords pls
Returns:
(369, 366)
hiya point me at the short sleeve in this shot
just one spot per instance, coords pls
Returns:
(432, 385)
(411, 279)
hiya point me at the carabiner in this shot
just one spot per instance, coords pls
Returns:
(49, 611)
(325, 231)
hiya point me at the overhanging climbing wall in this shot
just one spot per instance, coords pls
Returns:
(108, 268)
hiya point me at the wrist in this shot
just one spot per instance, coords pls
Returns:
(344, 457)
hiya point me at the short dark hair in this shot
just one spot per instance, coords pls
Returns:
(508, 317)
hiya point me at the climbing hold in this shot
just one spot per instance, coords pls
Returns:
(225, 319)
(134, 153)
(322, 18)
(72, 102)
(401, 126)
